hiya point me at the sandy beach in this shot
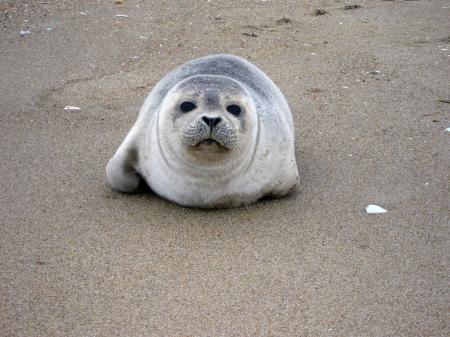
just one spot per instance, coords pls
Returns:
(369, 89)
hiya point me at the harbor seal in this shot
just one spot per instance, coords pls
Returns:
(215, 132)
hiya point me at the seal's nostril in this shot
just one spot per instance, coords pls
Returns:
(211, 122)
(216, 121)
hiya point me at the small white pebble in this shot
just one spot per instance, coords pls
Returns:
(375, 209)
(71, 107)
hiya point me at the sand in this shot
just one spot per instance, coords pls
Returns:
(78, 259)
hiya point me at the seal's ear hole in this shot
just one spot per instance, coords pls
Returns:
(234, 109)
(187, 106)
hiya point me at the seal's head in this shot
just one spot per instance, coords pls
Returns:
(207, 117)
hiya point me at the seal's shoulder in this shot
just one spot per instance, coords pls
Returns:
(220, 64)
(222, 59)
(230, 66)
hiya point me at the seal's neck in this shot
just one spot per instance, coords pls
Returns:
(206, 168)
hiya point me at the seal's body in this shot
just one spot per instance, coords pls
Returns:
(215, 132)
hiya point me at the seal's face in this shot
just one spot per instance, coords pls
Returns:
(207, 116)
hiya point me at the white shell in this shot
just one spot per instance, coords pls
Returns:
(375, 209)
(70, 107)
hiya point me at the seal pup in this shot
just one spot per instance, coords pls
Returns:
(214, 132)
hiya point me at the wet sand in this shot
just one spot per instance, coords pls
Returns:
(79, 259)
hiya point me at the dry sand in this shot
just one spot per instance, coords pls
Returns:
(78, 259)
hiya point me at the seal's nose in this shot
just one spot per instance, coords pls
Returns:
(211, 121)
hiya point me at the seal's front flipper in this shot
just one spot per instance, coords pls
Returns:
(121, 171)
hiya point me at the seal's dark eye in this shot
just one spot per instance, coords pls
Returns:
(187, 106)
(234, 109)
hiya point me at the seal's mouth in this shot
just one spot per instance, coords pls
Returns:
(199, 136)
(209, 142)
(209, 145)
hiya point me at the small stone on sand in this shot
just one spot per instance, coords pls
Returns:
(375, 209)
(318, 12)
(349, 7)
